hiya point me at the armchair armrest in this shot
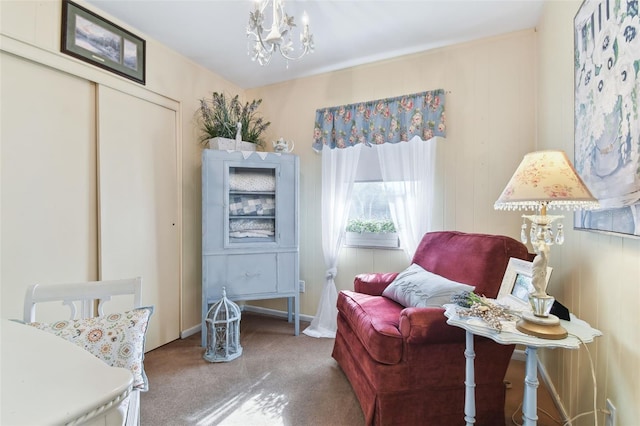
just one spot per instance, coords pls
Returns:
(428, 325)
(373, 283)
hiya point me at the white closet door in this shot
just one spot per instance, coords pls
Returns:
(138, 204)
(48, 175)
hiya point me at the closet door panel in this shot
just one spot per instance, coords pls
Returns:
(48, 182)
(138, 204)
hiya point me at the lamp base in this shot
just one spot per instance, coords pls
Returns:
(542, 327)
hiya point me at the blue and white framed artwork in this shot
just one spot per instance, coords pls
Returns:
(607, 121)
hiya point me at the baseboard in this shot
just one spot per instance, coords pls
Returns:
(249, 308)
(190, 331)
(542, 371)
(520, 355)
(272, 312)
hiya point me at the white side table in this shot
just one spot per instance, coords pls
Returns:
(578, 330)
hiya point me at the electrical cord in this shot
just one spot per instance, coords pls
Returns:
(513, 416)
(595, 388)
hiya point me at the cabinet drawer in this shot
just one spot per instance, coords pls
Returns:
(242, 275)
(252, 273)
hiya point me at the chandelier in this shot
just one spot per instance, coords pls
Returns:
(262, 46)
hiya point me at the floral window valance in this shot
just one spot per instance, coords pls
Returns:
(388, 120)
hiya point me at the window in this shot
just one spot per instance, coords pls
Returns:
(370, 223)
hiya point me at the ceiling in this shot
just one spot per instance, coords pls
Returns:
(346, 32)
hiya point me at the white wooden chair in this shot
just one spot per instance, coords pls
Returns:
(84, 300)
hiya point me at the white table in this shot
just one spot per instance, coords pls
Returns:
(578, 330)
(48, 380)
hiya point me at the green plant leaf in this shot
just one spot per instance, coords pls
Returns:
(219, 115)
(374, 226)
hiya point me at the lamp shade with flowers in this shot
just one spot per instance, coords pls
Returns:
(544, 180)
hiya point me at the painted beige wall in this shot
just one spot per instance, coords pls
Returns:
(490, 111)
(597, 276)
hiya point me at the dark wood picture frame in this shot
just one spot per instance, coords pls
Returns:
(95, 40)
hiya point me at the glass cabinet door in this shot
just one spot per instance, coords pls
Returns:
(251, 216)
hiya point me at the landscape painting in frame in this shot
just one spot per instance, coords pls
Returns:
(93, 39)
(607, 121)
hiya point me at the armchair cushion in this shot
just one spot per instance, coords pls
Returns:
(423, 289)
(377, 320)
(373, 283)
(117, 339)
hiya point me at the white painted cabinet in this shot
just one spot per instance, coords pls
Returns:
(250, 228)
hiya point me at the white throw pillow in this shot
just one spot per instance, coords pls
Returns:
(420, 288)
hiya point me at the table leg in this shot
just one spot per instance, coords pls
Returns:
(530, 401)
(293, 313)
(296, 315)
(469, 382)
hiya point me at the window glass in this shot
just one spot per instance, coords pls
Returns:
(369, 206)
(370, 214)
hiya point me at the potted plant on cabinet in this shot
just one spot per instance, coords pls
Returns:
(220, 116)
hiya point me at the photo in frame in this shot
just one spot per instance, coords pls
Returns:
(93, 39)
(607, 116)
(517, 282)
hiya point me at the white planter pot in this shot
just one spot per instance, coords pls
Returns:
(372, 239)
(225, 144)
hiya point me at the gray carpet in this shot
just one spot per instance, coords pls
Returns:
(279, 379)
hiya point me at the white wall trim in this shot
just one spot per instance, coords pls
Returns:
(555, 396)
(272, 312)
(249, 308)
(190, 331)
(519, 355)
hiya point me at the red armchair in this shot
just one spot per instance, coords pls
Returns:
(407, 365)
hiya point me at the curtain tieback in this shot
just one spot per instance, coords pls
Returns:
(331, 273)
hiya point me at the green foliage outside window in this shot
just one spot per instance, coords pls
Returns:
(375, 226)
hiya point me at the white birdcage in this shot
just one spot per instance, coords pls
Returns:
(223, 331)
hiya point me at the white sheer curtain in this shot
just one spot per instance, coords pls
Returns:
(338, 173)
(408, 171)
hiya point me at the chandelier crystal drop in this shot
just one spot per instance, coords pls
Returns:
(263, 43)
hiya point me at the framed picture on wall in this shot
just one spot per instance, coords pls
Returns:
(93, 39)
(607, 116)
(517, 282)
